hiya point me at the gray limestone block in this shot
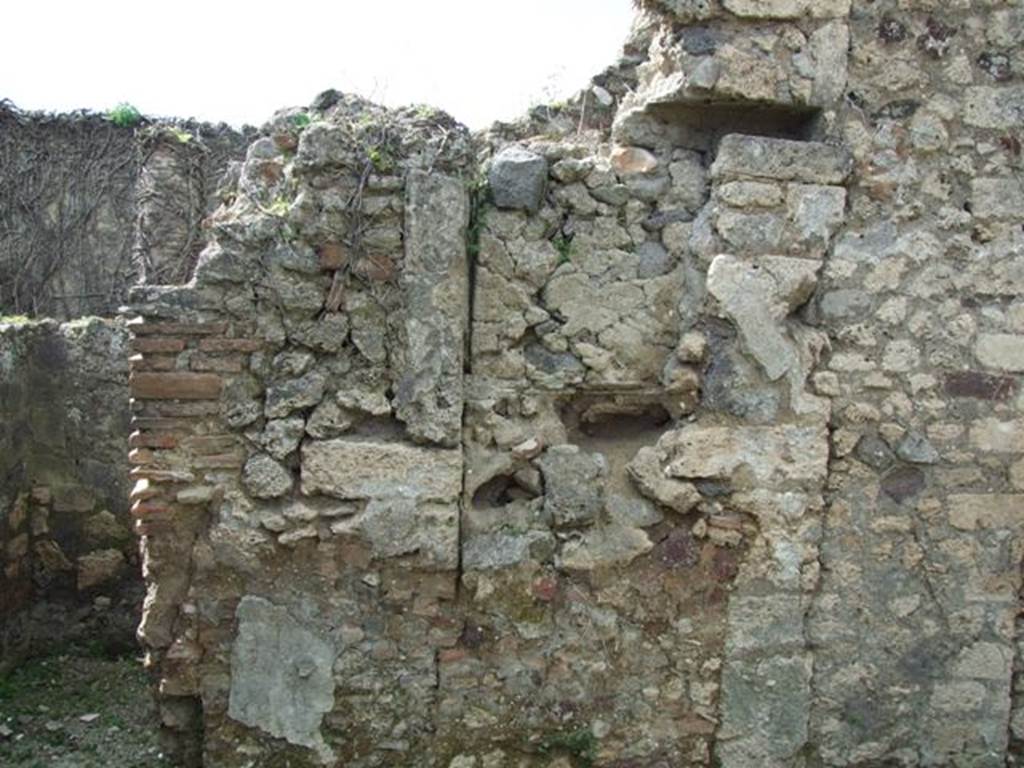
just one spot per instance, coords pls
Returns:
(874, 452)
(653, 260)
(917, 449)
(294, 394)
(603, 546)
(845, 303)
(612, 194)
(646, 472)
(759, 157)
(765, 706)
(365, 469)
(573, 485)
(518, 178)
(503, 549)
(563, 364)
(757, 299)
(994, 106)
(281, 436)
(401, 527)
(220, 263)
(435, 283)
(766, 457)
(997, 198)
(264, 478)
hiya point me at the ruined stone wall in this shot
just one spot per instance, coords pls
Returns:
(70, 564)
(674, 425)
(84, 202)
(308, 384)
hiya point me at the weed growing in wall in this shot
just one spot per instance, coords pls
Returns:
(183, 137)
(124, 115)
(563, 245)
(582, 744)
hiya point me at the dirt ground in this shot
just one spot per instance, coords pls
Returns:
(78, 710)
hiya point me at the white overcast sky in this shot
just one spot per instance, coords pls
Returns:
(480, 60)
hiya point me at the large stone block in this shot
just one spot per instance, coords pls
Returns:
(354, 469)
(997, 198)
(765, 708)
(99, 567)
(425, 533)
(758, 157)
(604, 546)
(435, 281)
(573, 485)
(518, 179)
(995, 436)
(293, 394)
(978, 511)
(787, 9)
(773, 456)
(646, 472)
(1003, 351)
(757, 297)
(265, 478)
(994, 106)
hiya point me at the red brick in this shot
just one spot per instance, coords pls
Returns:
(696, 725)
(143, 490)
(140, 439)
(141, 456)
(378, 267)
(208, 445)
(332, 256)
(175, 386)
(188, 409)
(145, 509)
(230, 345)
(155, 527)
(222, 363)
(451, 655)
(160, 328)
(153, 362)
(161, 423)
(149, 344)
(545, 589)
(161, 475)
(981, 386)
(232, 460)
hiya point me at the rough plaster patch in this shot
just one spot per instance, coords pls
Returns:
(281, 675)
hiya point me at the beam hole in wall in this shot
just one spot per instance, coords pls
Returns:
(501, 491)
(600, 423)
(617, 427)
(707, 122)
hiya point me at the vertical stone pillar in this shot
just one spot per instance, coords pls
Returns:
(772, 197)
(171, 203)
